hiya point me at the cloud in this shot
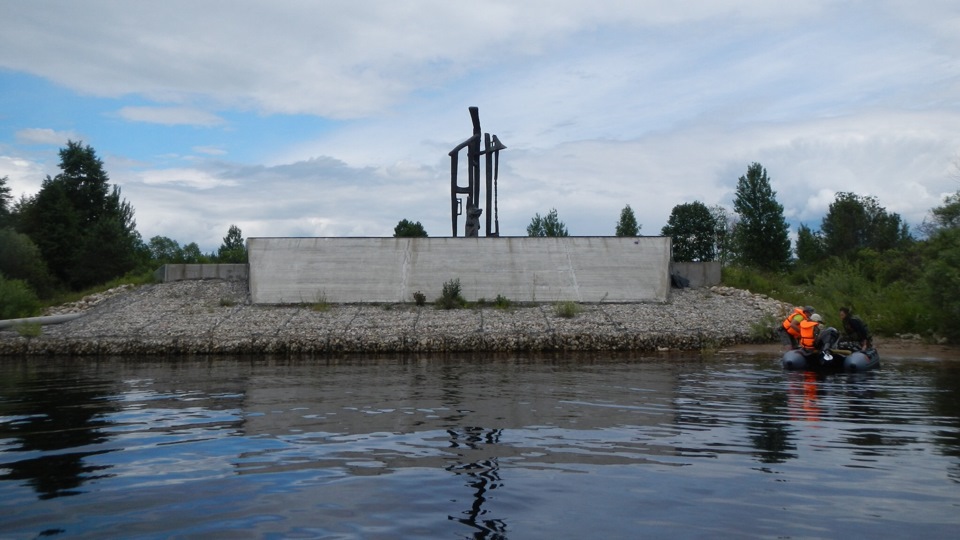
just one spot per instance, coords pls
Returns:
(645, 103)
(191, 178)
(209, 150)
(170, 116)
(23, 176)
(338, 59)
(45, 136)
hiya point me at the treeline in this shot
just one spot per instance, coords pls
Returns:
(861, 256)
(78, 232)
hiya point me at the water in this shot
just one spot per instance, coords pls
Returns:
(476, 447)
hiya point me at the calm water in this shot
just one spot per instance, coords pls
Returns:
(477, 447)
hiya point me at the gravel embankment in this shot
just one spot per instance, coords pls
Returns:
(216, 317)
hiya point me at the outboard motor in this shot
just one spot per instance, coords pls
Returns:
(828, 339)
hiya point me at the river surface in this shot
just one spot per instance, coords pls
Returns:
(589, 446)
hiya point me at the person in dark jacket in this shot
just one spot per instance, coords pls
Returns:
(855, 329)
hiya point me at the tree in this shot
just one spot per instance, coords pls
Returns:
(51, 221)
(855, 222)
(693, 229)
(761, 237)
(547, 226)
(233, 249)
(946, 216)
(409, 229)
(193, 255)
(20, 259)
(165, 250)
(84, 229)
(942, 278)
(5, 198)
(723, 232)
(810, 248)
(627, 226)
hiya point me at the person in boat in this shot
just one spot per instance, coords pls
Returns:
(855, 330)
(810, 333)
(789, 331)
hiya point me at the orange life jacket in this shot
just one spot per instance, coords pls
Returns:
(789, 327)
(808, 334)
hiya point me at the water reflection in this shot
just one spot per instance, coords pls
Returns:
(770, 432)
(482, 476)
(45, 412)
(475, 447)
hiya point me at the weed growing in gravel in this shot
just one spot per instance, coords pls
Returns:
(321, 304)
(763, 330)
(567, 309)
(29, 330)
(451, 297)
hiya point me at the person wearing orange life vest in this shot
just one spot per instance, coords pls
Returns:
(810, 331)
(789, 331)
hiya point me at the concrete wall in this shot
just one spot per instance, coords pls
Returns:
(180, 272)
(700, 274)
(343, 270)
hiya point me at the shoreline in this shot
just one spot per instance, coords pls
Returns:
(215, 317)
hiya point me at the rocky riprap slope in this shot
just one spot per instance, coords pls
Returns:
(216, 317)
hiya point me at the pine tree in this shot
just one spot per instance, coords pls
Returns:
(761, 237)
(627, 226)
(233, 249)
(84, 229)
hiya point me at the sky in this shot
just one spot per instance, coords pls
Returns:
(335, 118)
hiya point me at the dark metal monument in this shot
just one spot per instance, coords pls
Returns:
(491, 150)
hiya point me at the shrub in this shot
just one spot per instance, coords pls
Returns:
(29, 330)
(451, 298)
(320, 303)
(567, 309)
(502, 302)
(419, 298)
(19, 300)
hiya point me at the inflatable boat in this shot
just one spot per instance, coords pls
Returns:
(831, 359)
(832, 355)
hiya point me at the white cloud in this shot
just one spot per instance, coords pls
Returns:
(209, 150)
(45, 136)
(191, 178)
(645, 103)
(23, 176)
(170, 116)
(337, 58)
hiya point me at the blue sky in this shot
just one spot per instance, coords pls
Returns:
(335, 118)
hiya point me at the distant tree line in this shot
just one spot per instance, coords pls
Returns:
(78, 232)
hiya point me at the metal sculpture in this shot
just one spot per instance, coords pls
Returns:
(491, 150)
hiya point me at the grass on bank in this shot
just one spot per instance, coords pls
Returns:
(888, 309)
(21, 302)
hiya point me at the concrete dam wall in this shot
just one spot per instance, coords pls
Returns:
(522, 269)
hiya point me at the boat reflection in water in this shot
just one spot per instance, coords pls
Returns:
(478, 447)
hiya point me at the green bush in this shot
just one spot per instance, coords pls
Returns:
(21, 259)
(451, 298)
(502, 302)
(29, 330)
(17, 299)
(419, 298)
(567, 309)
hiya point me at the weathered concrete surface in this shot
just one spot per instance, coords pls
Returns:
(178, 272)
(356, 270)
(699, 274)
